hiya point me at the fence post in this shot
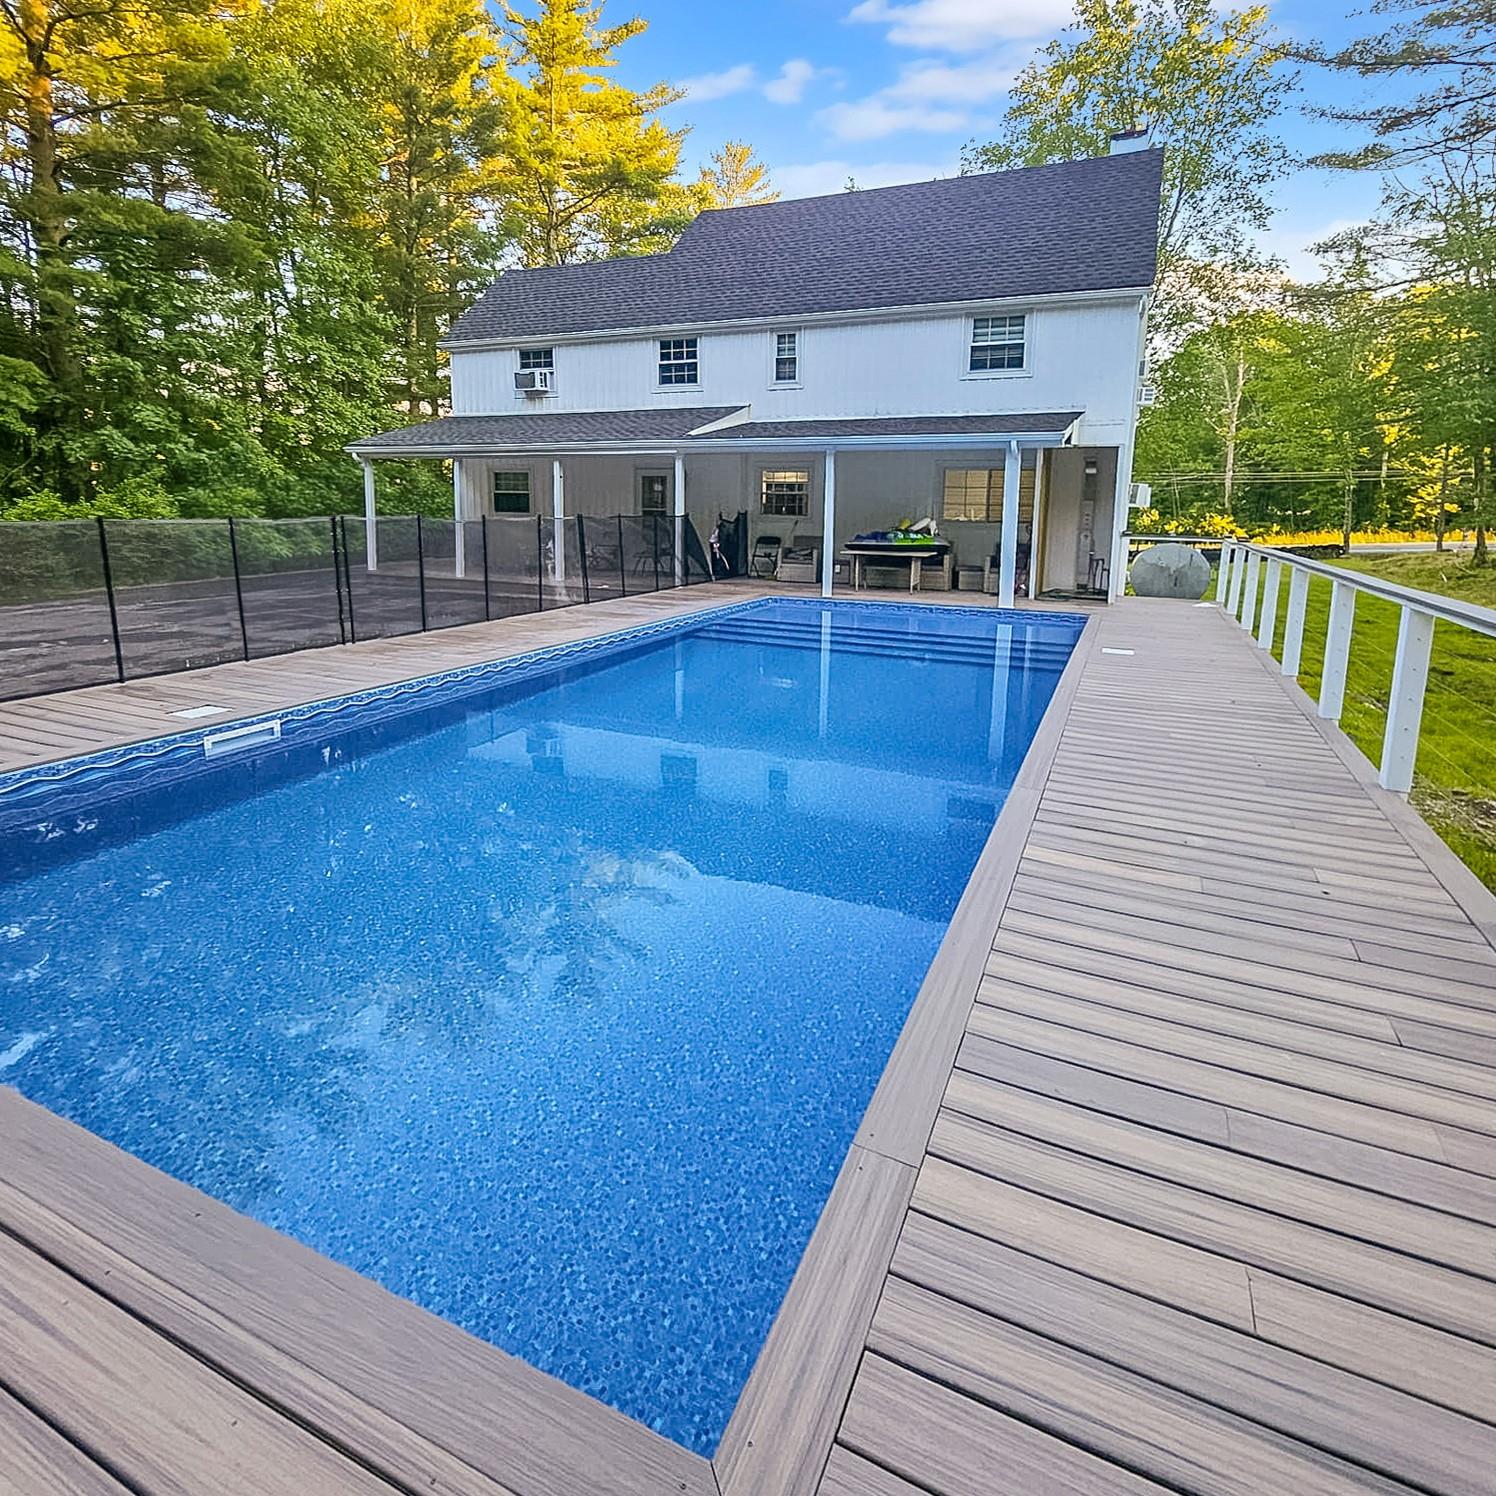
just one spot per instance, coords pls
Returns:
(421, 571)
(1267, 618)
(1415, 638)
(1337, 650)
(345, 590)
(119, 653)
(582, 559)
(1238, 576)
(539, 564)
(1249, 593)
(623, 581)
(483, 532)
(1293, 628)
(239, 587)
(654, 530)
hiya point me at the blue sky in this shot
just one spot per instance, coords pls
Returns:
(888, 90)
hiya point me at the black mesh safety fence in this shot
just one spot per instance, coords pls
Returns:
(563, 577)
(174, 593)
(290, 584)
(515, 565)
(452, 565)
(386, 590)
(84, 602)
(55, 623)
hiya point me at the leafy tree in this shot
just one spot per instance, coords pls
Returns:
(1209, 83)
(587, 162)
(734, 178)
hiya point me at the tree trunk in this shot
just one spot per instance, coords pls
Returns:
(1441, 519)
(1481, 556)
(1348, 514)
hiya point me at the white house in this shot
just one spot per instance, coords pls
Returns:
(968, 349)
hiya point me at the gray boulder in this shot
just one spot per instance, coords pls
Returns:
(1170, 571)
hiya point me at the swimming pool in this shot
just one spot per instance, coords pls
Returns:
(548, 994)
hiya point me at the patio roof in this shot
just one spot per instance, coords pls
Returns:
(681, 428)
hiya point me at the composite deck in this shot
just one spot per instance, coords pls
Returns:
(1182, 1177)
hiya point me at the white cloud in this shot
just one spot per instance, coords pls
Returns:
(876, 118)
(708, 86)
(815, 178)
(794, 78)
(962, 25)
(929, 82)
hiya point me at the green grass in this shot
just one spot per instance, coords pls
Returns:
(1455, 780)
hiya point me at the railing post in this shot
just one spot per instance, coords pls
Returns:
(1249, 593)
(119, 653)
(1223, 570)
(1293, 627)
(1267, 618)
(1337, 650)
(239, 586)
(1238, 576)
(1415, 638)
(421, 571)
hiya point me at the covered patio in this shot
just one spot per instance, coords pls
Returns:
(1024, 509)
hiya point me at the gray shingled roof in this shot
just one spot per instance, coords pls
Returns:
(558, 428)
(1043, 423)
(683, 426)
(1077, 226)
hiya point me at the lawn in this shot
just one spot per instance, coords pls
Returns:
(1455, 784)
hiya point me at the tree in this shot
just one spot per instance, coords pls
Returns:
(734, 179)
(1447, 45)
(1208, 82)
(587, 163)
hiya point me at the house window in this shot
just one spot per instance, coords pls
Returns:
(536, 358)
(786, 492)
(977, 493)
(511, 493)
(996, 343)
(786, 357)
(678, 361)
(654, 493)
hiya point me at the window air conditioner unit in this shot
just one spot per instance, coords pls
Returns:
(1141, 496)
(533, 381)
(1148, 394)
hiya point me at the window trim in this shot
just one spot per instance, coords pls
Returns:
(493, 493)
(969, 332)
(810, 482)
(776, 383)
(660, 361)
(550, 358)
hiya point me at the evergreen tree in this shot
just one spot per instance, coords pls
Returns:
(733, 178)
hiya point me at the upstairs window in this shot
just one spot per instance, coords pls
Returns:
(537, 358)
(511, 493)
(785, 492)
(786, 357)
(996, 343)
(678, 362)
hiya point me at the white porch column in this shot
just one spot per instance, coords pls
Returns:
(828, 523)
(458, 569)
(1041, 519)
(371, 530)
(679, 495)
(558, 517)
(1007, 575)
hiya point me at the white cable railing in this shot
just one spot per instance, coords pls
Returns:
(1249, 587)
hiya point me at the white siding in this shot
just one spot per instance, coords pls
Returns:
(1080, 357)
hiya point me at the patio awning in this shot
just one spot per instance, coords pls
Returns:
(707, 428)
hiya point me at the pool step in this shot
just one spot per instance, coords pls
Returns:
(1039, 650)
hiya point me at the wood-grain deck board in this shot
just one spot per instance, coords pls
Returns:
(1182, 1177)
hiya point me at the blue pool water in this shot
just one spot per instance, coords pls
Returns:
(552, 1004)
